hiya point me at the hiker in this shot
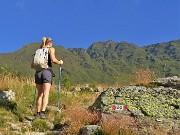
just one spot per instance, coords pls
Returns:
(43, 78)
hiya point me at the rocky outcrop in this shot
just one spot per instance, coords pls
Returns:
(158, 102)
(173, 82)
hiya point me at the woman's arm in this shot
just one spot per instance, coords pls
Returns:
(53, 57)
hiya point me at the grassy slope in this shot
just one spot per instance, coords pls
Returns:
(16, 111)
(102, 62)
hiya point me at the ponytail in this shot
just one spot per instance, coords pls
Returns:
(45, 41)
(43, 44)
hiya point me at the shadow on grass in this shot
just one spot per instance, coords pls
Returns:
(11, 106)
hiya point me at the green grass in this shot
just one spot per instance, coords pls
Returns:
(40, 125)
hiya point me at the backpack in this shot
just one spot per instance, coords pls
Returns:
(40, 60)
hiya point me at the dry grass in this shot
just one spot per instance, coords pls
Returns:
(74, 109)
(71, 99)
(77, 117)
(143, 76)
(113, 125)
(4, 83)
(104, 86)
(10, 81)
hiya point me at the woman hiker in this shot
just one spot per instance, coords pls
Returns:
(43, 78)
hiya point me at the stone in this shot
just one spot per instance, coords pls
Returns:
(7, 95)
(89, 130)
(15, 127)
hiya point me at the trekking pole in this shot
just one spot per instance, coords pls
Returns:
(59, 87)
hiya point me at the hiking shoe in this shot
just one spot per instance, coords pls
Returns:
(37, 115)
(42, 115)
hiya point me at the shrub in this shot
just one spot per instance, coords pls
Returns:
(8, 105)
(66, 83)
(57, 122)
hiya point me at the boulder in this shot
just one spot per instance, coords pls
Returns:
(157, 102)
(89, 129)
(7, 95)
(173, 82)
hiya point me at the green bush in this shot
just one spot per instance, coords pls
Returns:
(8, 105)
(66, 83)
(99, 132)
(57, 122)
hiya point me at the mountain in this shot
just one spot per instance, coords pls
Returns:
(102, 62)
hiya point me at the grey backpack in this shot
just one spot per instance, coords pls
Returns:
(40, 60)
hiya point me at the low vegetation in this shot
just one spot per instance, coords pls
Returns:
(74, 105)
(74, 112)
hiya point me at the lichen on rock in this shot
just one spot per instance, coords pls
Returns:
(158, 102)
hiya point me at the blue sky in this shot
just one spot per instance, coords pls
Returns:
(79, 23)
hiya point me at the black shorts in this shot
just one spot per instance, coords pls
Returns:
(44, 76)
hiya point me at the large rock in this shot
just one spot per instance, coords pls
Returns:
(158, 102)
(109, 101)
(173, 82)
(7, 95)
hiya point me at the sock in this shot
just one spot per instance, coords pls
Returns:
(43, 112)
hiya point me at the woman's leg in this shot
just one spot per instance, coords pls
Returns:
(39, 97)
(46, 88)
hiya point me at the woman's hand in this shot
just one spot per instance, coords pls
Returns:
(60, 62)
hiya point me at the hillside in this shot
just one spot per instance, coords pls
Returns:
(102, 62)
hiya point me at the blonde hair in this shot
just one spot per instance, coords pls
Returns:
(45, 41)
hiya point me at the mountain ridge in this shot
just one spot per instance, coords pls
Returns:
(102, 62)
